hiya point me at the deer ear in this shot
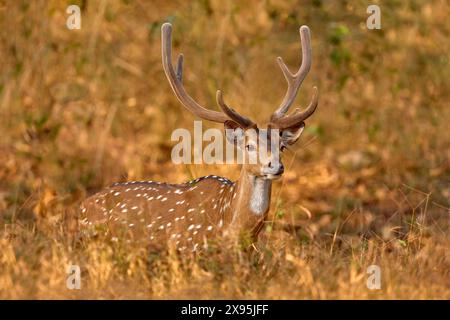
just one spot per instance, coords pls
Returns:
(291, 135)
(234, 133)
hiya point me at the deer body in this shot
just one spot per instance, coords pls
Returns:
(188, 215)
(185, 214)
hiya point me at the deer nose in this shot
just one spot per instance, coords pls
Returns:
(280, 169)
(277, 167)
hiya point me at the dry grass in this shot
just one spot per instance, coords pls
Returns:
(369, 183)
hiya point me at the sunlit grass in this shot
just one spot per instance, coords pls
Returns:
(367, 184)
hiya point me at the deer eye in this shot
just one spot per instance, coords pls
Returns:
(282, 147)
(250, 147)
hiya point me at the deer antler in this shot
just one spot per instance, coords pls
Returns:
(231, 113)
(279, 119)
(175, 80)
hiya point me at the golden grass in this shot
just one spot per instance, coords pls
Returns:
(369, 183)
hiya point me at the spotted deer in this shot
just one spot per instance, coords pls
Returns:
(188, 215)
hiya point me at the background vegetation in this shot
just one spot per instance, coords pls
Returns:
(368, 184)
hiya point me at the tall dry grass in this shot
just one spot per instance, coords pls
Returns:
(368, 184)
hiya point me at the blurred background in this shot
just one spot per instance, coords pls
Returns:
(81, 109)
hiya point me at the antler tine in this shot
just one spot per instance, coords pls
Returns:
(179, 70)
(295, 80)
(231, 113)
(298, 116)
(175, 79)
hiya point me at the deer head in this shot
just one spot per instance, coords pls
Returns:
(242, 131)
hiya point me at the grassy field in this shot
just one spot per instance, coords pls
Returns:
(369, 183)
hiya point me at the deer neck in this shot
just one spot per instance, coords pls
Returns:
(252, 202)
(259, 195)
